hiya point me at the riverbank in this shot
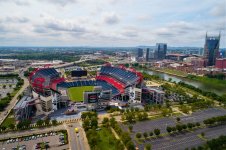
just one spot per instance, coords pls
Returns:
(215, 87)
(171, 72)
(211, 82)
(216, 83)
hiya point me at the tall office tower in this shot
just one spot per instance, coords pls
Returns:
(147, 54)
(211, 49)
(140, 52)
(160, 51)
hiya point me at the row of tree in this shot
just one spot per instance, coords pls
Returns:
(132, 116)
(215, 120)
(125, 136)
(219, 76)
(26, 124)
(181, 127)
(211, 95)
(150, 134)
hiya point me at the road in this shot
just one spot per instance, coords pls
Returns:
(28, 132)
(14, 100)
(77, 141)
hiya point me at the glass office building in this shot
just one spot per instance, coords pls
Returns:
(211, 49)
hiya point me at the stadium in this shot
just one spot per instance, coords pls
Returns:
(110, 83)
(53, 94)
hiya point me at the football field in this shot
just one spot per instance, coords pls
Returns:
(76, 93)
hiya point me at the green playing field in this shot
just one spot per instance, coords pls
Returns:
(76, 93)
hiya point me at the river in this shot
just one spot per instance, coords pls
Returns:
(197, 84)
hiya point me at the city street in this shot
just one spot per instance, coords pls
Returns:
(77, 141)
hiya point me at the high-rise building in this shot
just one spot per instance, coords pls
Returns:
(160, 51)
(140, 52)
(211, 49)
(147, 54)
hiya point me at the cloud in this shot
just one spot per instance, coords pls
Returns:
(61, 2)
(144, 17)
(17, 2)
(16, 19)
(219, 10)
(111, 18)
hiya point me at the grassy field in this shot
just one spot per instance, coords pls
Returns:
(9, 120)
(76, 93)
(107, 140)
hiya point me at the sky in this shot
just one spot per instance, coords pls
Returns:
(111, 23)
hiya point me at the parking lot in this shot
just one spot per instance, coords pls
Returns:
(184, 140)
(162, 123)
(180, 140)
(9, 85)
(201, 115)
(150, 125)
(52, 140)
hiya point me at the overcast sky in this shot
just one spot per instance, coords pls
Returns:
(110, 22)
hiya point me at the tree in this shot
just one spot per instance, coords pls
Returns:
(130, 128)
(126, 137)
(145, 116)
(138, 135)
(145, 135)
(148, 147)
(184, 126)
(178, 119)
(169, 129)
(157, 131)
(151, 134)
(26, 123)
(11, 126)
(4, 86)
(174, 129)
(39, 122)
(197, 124)
(105, 122)
(179, 127)
(190, 125)
(93, 137)
(94, 122)
(130, 117)
(202, 134)
(112, 121)
(119, 145)
(54, 122)
(8, 94)
(19, 125)
(86, 124)
(3, 128)
(47, 121)
(165, 112)
(130, 145)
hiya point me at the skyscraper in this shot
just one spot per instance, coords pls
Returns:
(147, 54)
(211, 49)
(160, 51)
(140, 52)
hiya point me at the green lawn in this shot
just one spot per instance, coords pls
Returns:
(9, 120)
(76, 93)
(107, 140)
